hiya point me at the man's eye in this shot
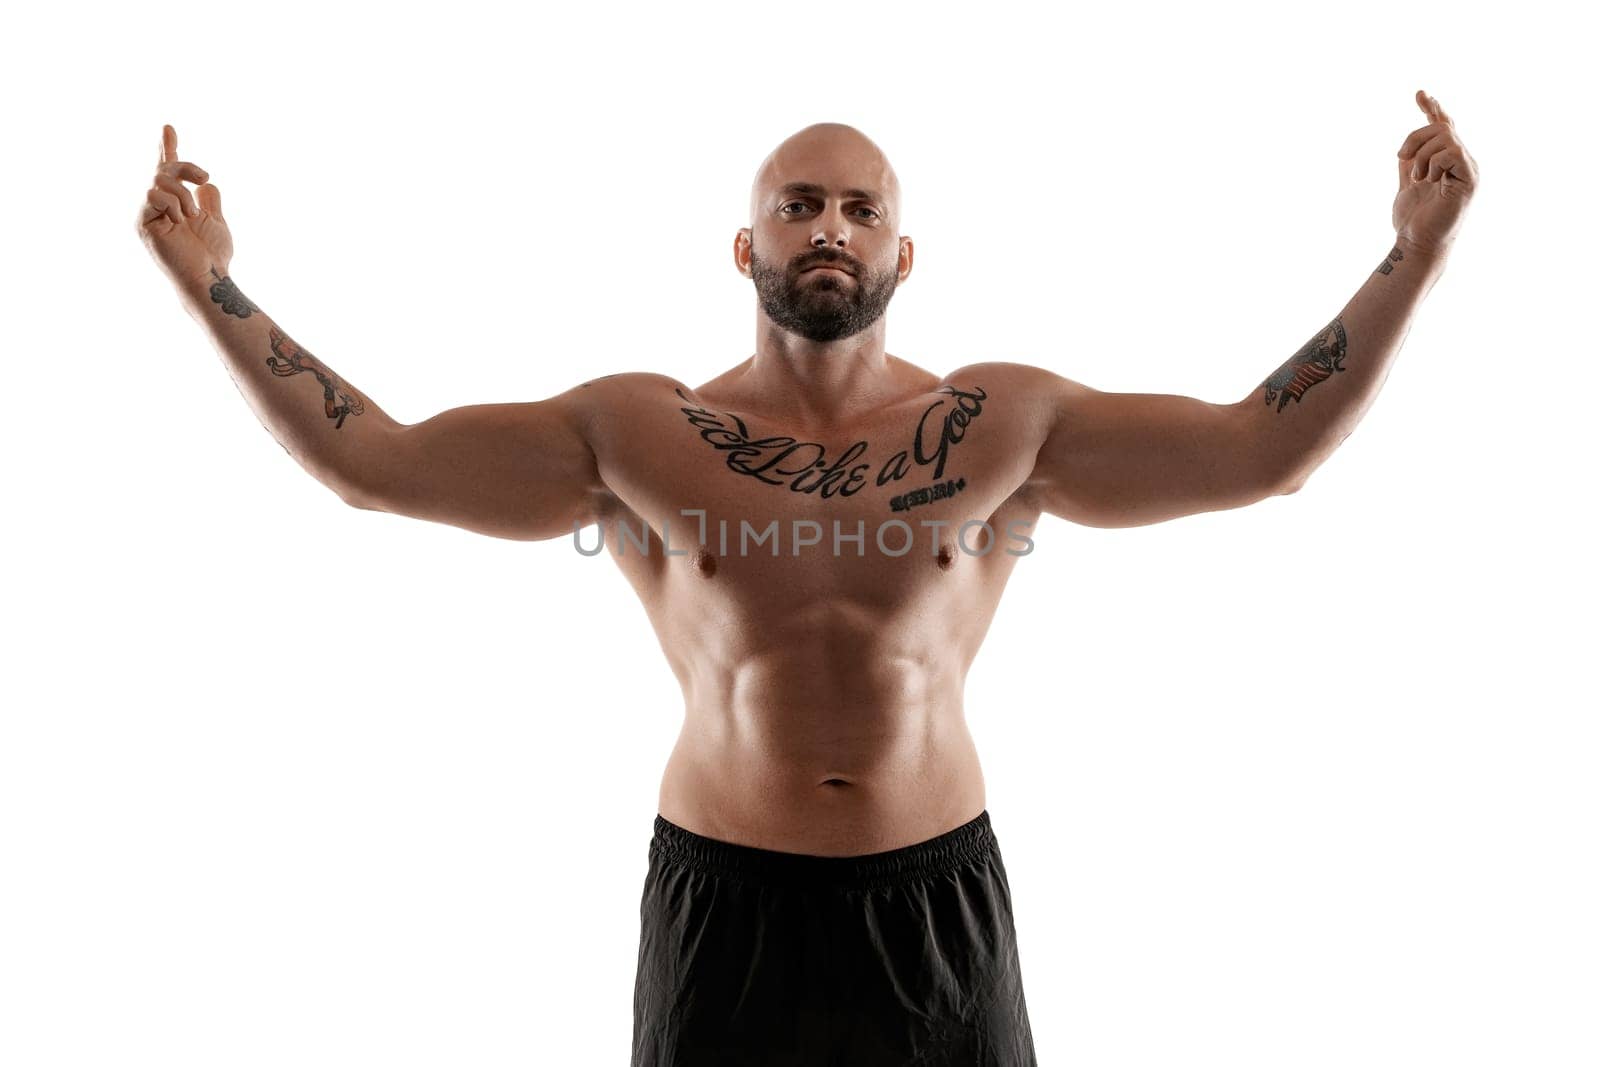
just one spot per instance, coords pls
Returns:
(784, 210)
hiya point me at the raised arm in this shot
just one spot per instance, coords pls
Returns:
(523, 471)
(1129, 459)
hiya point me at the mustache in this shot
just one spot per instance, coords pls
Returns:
(843, 263)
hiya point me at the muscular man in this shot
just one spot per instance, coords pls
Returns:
(820, 536)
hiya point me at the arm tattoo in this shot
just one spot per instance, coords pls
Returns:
(1315, 362)
(226, 293)
(1394, 256)
(338, 399)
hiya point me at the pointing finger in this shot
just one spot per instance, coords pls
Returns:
(1430, 107)
(169, 144)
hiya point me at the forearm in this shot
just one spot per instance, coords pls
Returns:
(1306, 408)
(329, 427)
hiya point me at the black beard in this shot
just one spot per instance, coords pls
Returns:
(824, 308)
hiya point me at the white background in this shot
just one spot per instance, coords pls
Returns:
(1310, 782)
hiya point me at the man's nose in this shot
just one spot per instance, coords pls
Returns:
(831, 230)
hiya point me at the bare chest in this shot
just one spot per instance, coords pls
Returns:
(888, 511)
(945, 453)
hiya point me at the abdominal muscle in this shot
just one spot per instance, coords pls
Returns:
(825, 753)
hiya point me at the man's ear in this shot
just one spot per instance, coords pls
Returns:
(908, 253)
(741, 251)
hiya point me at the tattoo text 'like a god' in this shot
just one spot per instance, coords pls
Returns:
(804, 465)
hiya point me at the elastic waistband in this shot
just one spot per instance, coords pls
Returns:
(945, 852)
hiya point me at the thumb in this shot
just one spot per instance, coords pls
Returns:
(1406, 177)
(211, 200)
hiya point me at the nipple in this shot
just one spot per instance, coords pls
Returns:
(947, 558)
(705, 563)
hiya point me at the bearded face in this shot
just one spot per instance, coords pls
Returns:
(822, 305)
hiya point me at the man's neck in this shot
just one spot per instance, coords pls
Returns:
(823, 383)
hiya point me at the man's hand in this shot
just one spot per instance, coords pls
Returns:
(1437, 179)
(188, 239)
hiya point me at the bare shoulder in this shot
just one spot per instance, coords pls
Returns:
(1029, 393)
(1013, 375)
(614, 411)
(612, 387)
(629, 394)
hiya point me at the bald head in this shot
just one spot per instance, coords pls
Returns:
(833, 155)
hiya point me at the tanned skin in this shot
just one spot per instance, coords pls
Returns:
(822, 689)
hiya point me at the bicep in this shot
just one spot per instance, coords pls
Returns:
(1131, 459)
(523, 471)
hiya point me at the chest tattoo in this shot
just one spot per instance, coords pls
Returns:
(805, 467)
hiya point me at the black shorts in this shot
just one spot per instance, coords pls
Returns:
(764, 959)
